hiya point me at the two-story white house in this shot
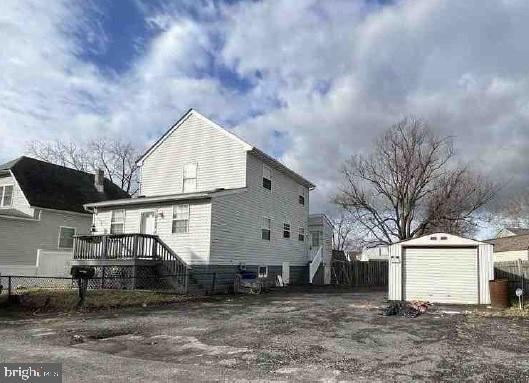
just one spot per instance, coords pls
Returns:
(220, 205)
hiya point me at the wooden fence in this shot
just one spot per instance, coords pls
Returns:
(360, 274)
(516, 272)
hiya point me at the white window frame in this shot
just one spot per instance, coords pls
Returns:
(320, 237)
(301, 232)
(2, 195)
(122, 223)
(59, 236)
(259, 274)
(175, 218)
(302, 194)
(269, 169)
(269, 228)
(285, 229)
(186, 177)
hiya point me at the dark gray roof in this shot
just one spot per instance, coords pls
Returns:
(511, 243)
(51, 186)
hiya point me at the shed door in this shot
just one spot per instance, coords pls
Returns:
(443, 275)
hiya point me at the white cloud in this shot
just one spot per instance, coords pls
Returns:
(328, 77)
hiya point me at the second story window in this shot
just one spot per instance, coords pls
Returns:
(266, 226)
(301, 234)
(189, 183)
(317, 238)
(6, 196)
(301, 197)
(181, 219)
(267, 177)
(286, 230)
(117, 222)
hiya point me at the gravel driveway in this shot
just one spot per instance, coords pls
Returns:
(324, 334)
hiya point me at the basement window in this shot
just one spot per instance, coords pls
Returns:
(180, 219)
(6, 196)
(262, 271)
(66, 235)
(267, 177)
(266, 226)
(117, 222)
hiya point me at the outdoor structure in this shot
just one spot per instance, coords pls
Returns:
(211, 203)
(441, 268)
(510, 231)
(511, 248)
(41, 209)
(321, 230)
(376, 253)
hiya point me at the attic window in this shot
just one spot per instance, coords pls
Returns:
(190, 178)
(6, 196)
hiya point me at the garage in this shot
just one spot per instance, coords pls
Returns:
(441, 268)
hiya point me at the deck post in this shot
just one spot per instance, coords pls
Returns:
(104, 244)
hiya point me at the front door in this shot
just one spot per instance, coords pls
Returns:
(147, 222)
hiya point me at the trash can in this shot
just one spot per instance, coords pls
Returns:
(499, 293)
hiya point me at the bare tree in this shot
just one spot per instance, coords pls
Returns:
(347, 234)
(409, 186)
(117, 158)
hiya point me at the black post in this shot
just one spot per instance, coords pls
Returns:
(213, 283)
(9, 291)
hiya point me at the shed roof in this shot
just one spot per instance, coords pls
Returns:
(51, 186)
(439, 240)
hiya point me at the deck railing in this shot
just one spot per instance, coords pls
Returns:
(128, 246)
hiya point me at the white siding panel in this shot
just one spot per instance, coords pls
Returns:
(220, 159)
(193, 247)
(236, 222)
(19, 200)
(509, 256)
(443, 275)
(20, 239)
(395, 273)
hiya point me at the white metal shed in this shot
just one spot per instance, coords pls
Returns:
(441, 268)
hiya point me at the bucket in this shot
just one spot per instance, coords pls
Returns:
(499, 293)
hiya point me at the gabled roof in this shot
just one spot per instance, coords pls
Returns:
(246, 146)
(439, 239)
(511, 243)
(517, 230)
(51, 186)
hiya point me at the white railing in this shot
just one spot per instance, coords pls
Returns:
(315, 263)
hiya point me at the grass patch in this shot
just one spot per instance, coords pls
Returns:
(48, 300)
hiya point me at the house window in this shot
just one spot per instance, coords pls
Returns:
(6, 196)
(286, 230)
(301, 234)
(262, 271)
(117, 222)
(66, 235)
(190, 178)
(301, 197)
(266, 226)
(180, 219)
(316, 238)
(267, 177)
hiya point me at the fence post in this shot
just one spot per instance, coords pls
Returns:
(214, 279)
(186, 281)
(9, 287)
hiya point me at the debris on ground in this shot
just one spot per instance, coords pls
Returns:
(77, 339)
(405, 309)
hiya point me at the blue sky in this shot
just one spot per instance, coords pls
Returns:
(308, 81)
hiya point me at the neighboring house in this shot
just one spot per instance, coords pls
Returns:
(441, 268)
(216, 204)
(377, 253)
(510, 231)
(41, 209)
(511, 248)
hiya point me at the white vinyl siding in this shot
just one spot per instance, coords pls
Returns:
(193, 247)
(442, 275)
(18, 200)
(21, 239)
(235, 218)
(180, 219)
(190, 178)
(221, 160)
(66, 235)
(117, 225)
